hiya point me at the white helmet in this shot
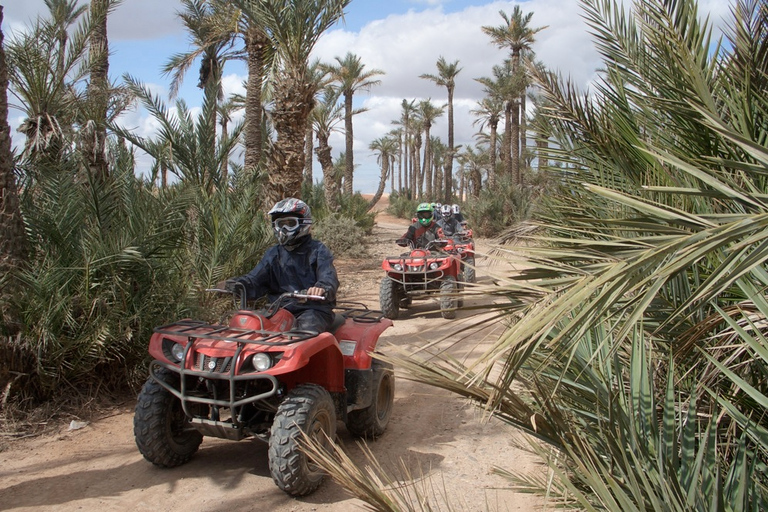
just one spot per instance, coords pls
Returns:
(445, 211)
(455, 209)
(291, 221)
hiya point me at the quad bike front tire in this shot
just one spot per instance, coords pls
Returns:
(372, 421)
(389, 298)
(448, 298)
(470, 275)
(307, 409)
(161, 429)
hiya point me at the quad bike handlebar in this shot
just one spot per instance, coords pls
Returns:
(238, 289)
(439, 244)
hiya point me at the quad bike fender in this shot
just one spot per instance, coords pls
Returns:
(317, 361)
(358, 341)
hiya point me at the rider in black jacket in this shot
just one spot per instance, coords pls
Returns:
(297, 262)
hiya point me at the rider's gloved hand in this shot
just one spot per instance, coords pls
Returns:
(316, 290)
(230, 285)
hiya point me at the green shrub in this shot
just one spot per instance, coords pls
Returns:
(401, 205)
(354, 207)
(498, 210)
(112, 260)
(342, 235)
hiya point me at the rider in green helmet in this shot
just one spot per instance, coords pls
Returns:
(424, 230)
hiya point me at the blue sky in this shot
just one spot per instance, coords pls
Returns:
(404, 38)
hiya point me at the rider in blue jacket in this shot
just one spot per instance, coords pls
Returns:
(297, 262)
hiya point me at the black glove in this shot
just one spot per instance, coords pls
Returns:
(231, 285)
(402, 242)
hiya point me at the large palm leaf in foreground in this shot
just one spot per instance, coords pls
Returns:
(637, 344)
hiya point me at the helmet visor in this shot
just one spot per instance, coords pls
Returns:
(424, 215)
(289, 223)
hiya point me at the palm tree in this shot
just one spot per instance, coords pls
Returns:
(182, 143)
(215, 26)
(438, 153)
(13, 240)
(64, 14)
(386, 147)
(325, 116)
(417, 181)
(501, 89)
(446, 76)
(293, 27)
(405, 121)
(212, 40)
(47, 92)
(517, 36)
(472, 163)
(488, 114)
(98, 92)
(351, 77)
(321, 81)
(427, 113)
(397, 135)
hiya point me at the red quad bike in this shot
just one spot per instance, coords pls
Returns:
(420, 274)
(257, 377)
(464, 247)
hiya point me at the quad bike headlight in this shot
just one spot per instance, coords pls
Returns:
(397, 266)
(173, 350)
(177, 351)
(434, 265)
(262, 361)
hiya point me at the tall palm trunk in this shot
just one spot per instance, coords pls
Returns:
(382, 183)
(294, 101)
(323, 151)
(494, 126)
(514, 140)
(515, 135)
(308, 155)
(418, 175)
(523, 138)
(506, 143)
(13, 242)
(400, 164)
(448, 167)
(349, 163)
(392, 177)
(427, 165)
(98, 92)
(256, 44)
(439, 168)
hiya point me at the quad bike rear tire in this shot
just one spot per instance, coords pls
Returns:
(161, 429)
(372, 421)
(470, 275)
(307, 409)
(389, 298)
(448, 298)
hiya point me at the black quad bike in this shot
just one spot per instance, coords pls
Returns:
(421, 274)
(257, 377)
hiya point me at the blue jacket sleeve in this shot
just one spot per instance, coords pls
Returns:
(258, 281)
(326, 273)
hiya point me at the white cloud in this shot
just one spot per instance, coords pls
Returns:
(408, 45)
(403, 45)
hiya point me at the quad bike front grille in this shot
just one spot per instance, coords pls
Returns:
(206, 363)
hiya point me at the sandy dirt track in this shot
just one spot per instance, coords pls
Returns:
(99, 467)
